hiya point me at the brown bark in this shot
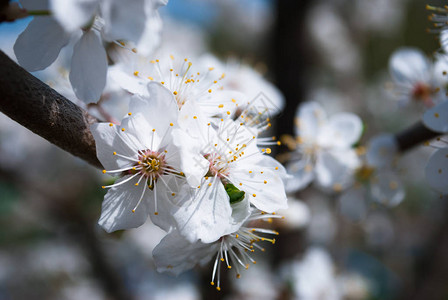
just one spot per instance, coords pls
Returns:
(36, 106)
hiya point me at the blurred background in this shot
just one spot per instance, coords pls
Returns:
(332, 51)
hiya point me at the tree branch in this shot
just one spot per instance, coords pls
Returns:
(36, 106)
(413, 136)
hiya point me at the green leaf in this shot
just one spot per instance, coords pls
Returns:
(234, 193)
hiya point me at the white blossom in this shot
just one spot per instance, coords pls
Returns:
(324, 148)
(175, 254)
(416, 78)
(141, 151)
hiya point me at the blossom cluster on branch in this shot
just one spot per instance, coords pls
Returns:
(187, 137)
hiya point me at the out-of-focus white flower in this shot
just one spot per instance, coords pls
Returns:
(39, 45)
(175, 254)
(218, 161)
(377, 179)
(313, 277)
(437, 170)
(141, 151)
(416, 78)
(324, 146)
(297, 215)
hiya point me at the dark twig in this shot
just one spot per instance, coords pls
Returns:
(413, 136)
(36, 106)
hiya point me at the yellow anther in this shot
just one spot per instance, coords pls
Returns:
(265, 182)
(136, 73)
(276, 168)
(195, 117)
(238, 276)
(268, 150)
(171, 70)
(157, 60)
(199, 186)
(210, 184)
(115, 153)
(228, 112)
(129, 114)
(134, 50)
(156, 213)
(241, 184)
(153, 130)
(221, 105)
(122, 129)
(255, 195)
(185, 59)
(210, 90)
(218, 288)
(175, 93)
(104, 171)
(136, 184)
(152, 61)
(162, 82)
(173, 194)
(171, 124)
(103, 187)
(229, 267)
(212, 283)
(110, 124)
(150, 78)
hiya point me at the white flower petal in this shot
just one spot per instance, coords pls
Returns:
(310, 117)
(193, 163)
(409, 65)
(39, 45)
(335, 169)
(89, 67)
(437, 170)
(263, 186)
(342, 131)
(107, 142)
(118, 204)
(127, 82)
(302, 175)
(205, 213)
(444, 40)
(386, 188)
(436, 118)
(174, 254)
(123, 19)
(73, 14)
(382, 151)
(151, 36)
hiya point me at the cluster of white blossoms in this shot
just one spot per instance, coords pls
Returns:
(89, 24)
(189, 154)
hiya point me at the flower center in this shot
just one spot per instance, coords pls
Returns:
(422, 92)
(217, 167)
(150, 164)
